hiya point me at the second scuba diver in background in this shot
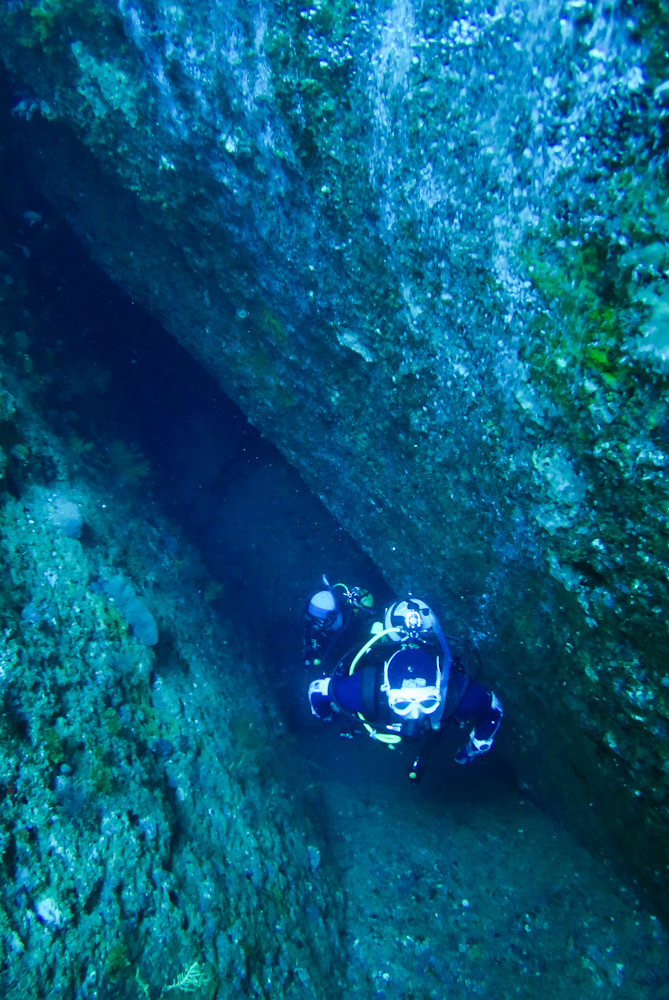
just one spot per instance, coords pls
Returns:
(397, 677)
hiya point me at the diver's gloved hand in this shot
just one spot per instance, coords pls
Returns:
(319, 699)
(469, 751)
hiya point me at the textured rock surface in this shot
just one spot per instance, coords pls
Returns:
(426, 252)
(145, 812)
(151, 773)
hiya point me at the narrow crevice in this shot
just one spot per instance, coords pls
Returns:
(129, 399)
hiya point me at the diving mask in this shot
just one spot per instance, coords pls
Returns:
(408, 701)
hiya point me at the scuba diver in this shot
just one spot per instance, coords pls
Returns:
(397, 677)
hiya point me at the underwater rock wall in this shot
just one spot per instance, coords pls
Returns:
(155, 835)
(425, 248)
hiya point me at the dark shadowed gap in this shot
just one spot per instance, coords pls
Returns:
(131, 400)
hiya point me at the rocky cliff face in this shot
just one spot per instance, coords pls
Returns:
(425, 249)
(144, 811)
